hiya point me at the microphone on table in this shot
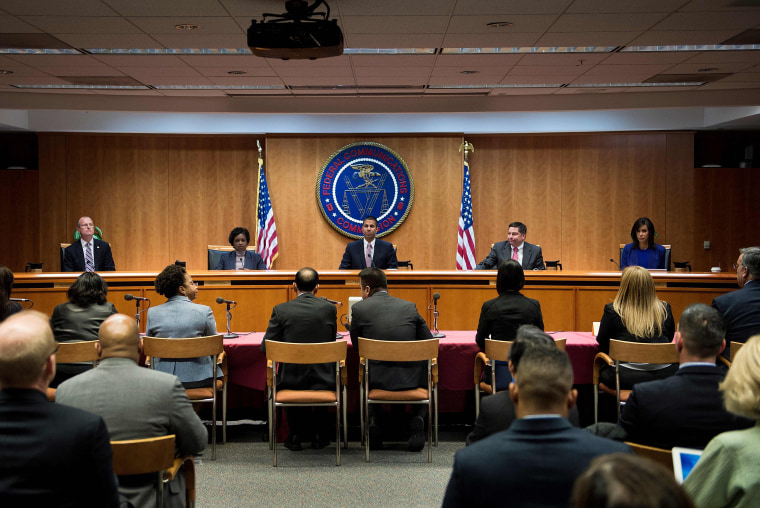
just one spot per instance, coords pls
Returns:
(334, 302)
(129, 297)
(616, 264)
(229, 334)
(22, 300)
(137, 300)
(436, 333)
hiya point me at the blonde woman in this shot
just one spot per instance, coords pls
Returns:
(728, 473)
(636, 315)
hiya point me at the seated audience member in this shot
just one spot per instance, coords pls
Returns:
(6, 286)
(80, 318)
(305, 319)
(620, 480)
(88, 254)
(50, 455)
(501, 317)
(136, 403)
(636, 315)
(180, 318)
(497, 412)
(727, 473)
(642, 251)
(369, 252)
(515, 247)
(240, 258)
(536, 460)
(741, 308)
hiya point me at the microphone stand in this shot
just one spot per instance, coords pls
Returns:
(436, 333)
(137, 313)
(229, 334)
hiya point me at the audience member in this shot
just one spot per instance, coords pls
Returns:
(515, 247)
(636, 315)
(50, 455)
(497, 412)
(136, 403)
(369, 252)
(742, 308)
(79, 319)
(380, 316)
(643, 251)
(305, 319)
(88, 254)
(727, 472)
(180, 318)
(536, 460)
(6, 286)
(240, 258)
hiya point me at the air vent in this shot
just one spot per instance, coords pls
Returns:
(101, 80)
(702, 77)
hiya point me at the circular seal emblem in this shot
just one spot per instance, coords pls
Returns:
(364, 179)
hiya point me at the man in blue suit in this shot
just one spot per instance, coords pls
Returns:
(75, 255)
(515, 247)
(369, 252)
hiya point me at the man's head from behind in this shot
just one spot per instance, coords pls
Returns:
(701, 332)
(307, 280)
(27, 351)
(544, 382)
(119, 338)
(528, 336)
(372, 280)
(748, 265)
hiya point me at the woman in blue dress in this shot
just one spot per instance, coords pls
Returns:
(643, 251)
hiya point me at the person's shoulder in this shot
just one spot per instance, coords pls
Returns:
(598, 444)
(609, 308)
(101, 243)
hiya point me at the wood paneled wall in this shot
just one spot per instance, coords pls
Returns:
(161, 198)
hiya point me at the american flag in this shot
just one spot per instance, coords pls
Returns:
(267, 231)
(466, 233)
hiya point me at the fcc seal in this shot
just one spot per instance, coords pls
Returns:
(364, 179)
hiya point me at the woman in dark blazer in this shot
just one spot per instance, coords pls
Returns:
(643, 251)
(240, 258)
(501, 317)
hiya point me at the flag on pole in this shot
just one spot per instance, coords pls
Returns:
(266, 238)
(466, 232)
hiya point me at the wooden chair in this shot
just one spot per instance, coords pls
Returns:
(144, 456)
(215, 253)
(304, 354)
(660, 455)
(72, 352)
(734, 349)
(399, 351)
(667, 256)
(624, 351)
(196, 347)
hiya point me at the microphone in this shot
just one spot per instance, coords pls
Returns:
(129, 297)
(18, 300)
(616, 264)
(334, 302)
(229, 334)
(436, 333)
(219, 299)
(436, 296)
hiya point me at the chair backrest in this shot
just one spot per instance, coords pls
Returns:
(660, 455)
(63, 252)
(498, 349)
(553, 265)
(294, 352)
(667, 256)
(642, 352)
(193, 347)
(403, 264)
(561, 343)
(215, 253)
(70, 352)
(734, 349)
(141, 456)
(398, 351)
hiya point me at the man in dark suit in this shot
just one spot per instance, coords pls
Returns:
(305, 319)
(88, 254)
(497, 412)
(380, 316)
(741, 308)
(535, 461)
(369, 251)
(527, 254)
(136, 403)
(50, 455)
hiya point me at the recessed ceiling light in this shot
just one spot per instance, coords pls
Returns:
(4, 71)
(708, 69)
(236, 72)
(499, 24)
(468, 72)
(186, 26)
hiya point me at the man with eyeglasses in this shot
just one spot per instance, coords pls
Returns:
(88, 254)
(741, 309)
(50, 455)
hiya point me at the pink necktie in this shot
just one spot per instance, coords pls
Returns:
(514, 254)
(368, 260)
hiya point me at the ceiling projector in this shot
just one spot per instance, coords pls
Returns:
(298, 34)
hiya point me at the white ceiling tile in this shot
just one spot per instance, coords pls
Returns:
(746, 77)
(408, 72)
(81, 71)
(722, 68)
(224, 71)
(612, 77)
(718, 5)
(14, 25)
(654, 89)
(682, 37)
(391, 81)
(709, 21)
(541, 70)
(536, 80)
(208, 25)
(509, 7)
(57, 7)
(82, 24)
(648, 58)
(246, 81)
(148, 73)
(606, 6)
(155, 61)
(520, 24)
(34, 80)
(193, 40)
(486, 73)
(628, 22)
(551, 59)
(397, 7)
(308, 81)
(474, 61)
(473, 79)
(725, 56)
(226, 61)
(168, 81)
(393, 41)
(322, 72)
(587, 39)
(392, 60)
(306, 64)
(56, 60)
(613, 70)
(167, 7)
(22, 70)
(255, 8)
(394, 24)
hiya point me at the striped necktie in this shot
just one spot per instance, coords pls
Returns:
(89, 262)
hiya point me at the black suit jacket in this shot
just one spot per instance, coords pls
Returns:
(383, 317)
(383, 256)
(532, 257)
(534, 463)
(742, 312)
(683, 410)
(306, 319)
(73, 257)
(253, 261)
(53, 455)
(72, 323)
(501, 317)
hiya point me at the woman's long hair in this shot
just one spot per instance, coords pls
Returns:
(637, 304)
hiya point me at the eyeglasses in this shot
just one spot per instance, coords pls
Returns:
(737, 265)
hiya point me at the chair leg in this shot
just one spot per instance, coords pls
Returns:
(224, 414)
(365, 430)
(337, 431)
(273, 411)
(477, 401)
(269, 411)
(361, 411)
(430, 433)
(596, 404)
(213, 427)
(435, 400)
(159, 490)
(345, 420)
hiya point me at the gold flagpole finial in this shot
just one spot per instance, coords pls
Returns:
(261, 161)
(467, 147)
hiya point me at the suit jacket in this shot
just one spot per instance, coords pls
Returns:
(501, 317)
(305, 320)
(741, 309)
(53, 455)
(383, 256)
(138, 403)
(497, 412)
(683, 410)
(180, 318)
(253, 261)
(630, 257)
(533, 259)
(383, 317)
(73, 257)
(72, 323)
(534, 463)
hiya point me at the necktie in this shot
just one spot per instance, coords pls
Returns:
(89, 263)
(514, 254)
(368, 260)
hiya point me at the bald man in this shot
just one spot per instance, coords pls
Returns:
(50, 455)
(136, 403)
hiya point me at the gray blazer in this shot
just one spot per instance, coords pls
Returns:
(179, 318)
(138, 403)
(533, 259)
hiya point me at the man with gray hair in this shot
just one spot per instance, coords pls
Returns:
(50, 455)
(741, 308)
